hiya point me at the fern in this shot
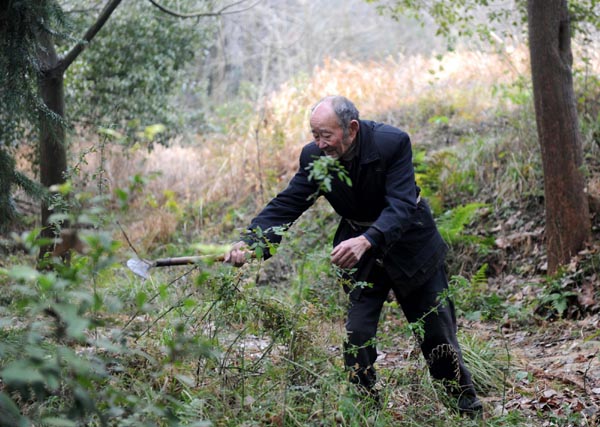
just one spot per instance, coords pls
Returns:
(452, 223)
(480, 279)
(473, 299)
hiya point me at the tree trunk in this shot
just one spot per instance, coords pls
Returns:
(52, 144)
(567, 212)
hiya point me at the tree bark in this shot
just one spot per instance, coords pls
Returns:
(568, 224)
(52, 144)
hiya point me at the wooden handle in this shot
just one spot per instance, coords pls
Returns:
(185, 260)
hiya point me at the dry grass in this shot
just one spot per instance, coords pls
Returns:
(464, 79)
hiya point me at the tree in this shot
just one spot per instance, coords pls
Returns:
(34, 33)
(568, 226)
(30, 52)
(147, 56)
(18, 90)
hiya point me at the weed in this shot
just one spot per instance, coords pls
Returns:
(89, 344)
(473, 299)
(558, 297)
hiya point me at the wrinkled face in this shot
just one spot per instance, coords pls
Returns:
(327, 132)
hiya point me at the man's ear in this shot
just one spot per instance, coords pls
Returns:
(354, 126)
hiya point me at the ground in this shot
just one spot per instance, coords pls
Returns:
(553, 368)
(562, 368)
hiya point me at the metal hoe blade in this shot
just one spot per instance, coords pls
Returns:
(139, 267)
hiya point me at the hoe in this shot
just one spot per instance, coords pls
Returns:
(142, 266)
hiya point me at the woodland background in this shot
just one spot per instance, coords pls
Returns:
(181, 123)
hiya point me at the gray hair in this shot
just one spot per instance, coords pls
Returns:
(344, 109)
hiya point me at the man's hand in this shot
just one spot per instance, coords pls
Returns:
(349, 252)
(237, 254)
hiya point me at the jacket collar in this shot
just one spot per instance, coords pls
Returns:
(366, 146)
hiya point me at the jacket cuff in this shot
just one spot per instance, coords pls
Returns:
(374, 236)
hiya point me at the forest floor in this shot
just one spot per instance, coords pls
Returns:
(560, 360)
(552, 370)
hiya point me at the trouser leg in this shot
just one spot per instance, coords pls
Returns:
(438, 339)
(360, 352)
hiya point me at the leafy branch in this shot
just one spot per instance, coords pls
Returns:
(323, 170)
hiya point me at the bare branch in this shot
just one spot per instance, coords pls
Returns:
(222, 11)
(97, 5)
(68, 59)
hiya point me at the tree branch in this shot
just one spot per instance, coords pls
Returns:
(68, 59)
(220, 12)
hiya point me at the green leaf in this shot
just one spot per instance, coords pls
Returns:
(111, 133)
(58, 218)
(23, 272)
(151, 131)
(21, 372)
(140, 299)
(64, 188)
(76, 324)
(86, 219)
(58, 422)
(10, 414)
(121, 194)
(439, 120)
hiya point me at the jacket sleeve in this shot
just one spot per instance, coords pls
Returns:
(400, 192)
(288, 205)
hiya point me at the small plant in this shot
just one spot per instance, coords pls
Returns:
(472, 298)
(68, 361)
(557, 297)
(485, 362)
(324, 170)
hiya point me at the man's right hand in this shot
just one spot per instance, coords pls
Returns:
(237, 254)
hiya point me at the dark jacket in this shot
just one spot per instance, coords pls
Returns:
(402, 232)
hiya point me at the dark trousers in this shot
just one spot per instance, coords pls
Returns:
(438, 338)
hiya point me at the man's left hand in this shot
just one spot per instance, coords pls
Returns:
(349, 252)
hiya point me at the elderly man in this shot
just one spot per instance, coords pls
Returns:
(387, 236)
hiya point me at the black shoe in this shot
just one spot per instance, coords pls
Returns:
(470, 406)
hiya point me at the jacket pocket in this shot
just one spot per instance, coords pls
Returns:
(412, 271)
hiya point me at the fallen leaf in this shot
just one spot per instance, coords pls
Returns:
(548, 394)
